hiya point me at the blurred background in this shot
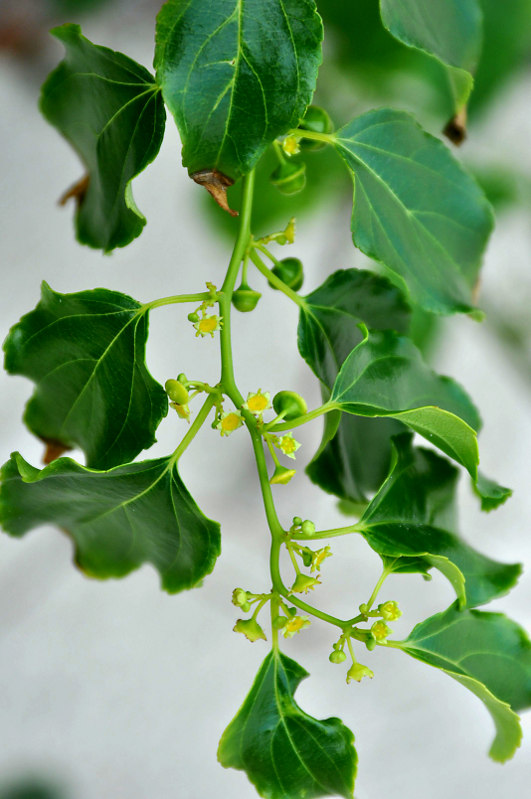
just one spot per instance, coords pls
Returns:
(116, 689)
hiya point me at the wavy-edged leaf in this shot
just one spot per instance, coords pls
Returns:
(284, 751)
(354, 456)
(411, 521)
(491, 494)
(449, 30)
(437, 220)
(236, 75)
(118, 520)
(85, 352)
(487, 653)
(110, 110)
(386, 376)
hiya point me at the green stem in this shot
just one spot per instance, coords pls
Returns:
(194, 429)
(276, 281)
(175, 299)
(333, 533)
(293, 559)
(384, 575)
(327, 138)
(307, 417)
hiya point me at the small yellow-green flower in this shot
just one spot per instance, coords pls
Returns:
(304, 583)
(287, 445)
(281, 475)
(182, 410)
(250, 628)
(295, 625)
(229, 422)
(208, 325)
(257, 402)
(291, 145)
(389, 610)
(288, 234)
(358, 671)
(380, 630)
(319, 556)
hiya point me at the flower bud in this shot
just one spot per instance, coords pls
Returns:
(245, 299)
(337, 656)
(181, 377)
(176, 392)
(290, 271)
(307, 557)
(193, 317)
(380, 630)
(289, 178)
(250, 628)
(289, 404)
(297, 521)
(280, 622)
(358, 671)
(308, 527)
(316, 120)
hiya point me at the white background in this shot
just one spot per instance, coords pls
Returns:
(116, 689)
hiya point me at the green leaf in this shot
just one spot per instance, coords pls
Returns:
(118, 520)
(487, 653)
(490, 493)
(449, 30)
(354, 455)
(410, 523)
(236, 75)
(286, 753)
(110, 110)
(437, 220)
(385, 376)
(85, 352)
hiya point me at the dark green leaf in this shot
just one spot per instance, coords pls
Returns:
(134, 514)
(110, 110)
(354, 456)
(236, 75)
(449, 30)
(437, 220)
(385, 376)
(286, 753)
(410, 523)
(491, 494)
(85, 352)
(487, 653)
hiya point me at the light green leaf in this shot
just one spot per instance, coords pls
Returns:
(385, 376)
(411, 523)
(449, 30)
(235, 76)
(118, 520)
(487, 653)
(491, 494)
(286, 753)
(110, 110)
(437, 220)
(85, 352)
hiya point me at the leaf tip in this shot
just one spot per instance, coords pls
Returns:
(455, 129)
(216, 184)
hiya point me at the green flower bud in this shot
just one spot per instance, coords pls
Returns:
(316, 120)
(280, 622)
(239, 597)
(181, 377)
(370, 643)
(289, 177)
(250, 628)
(337, 656)
(389, 610)
(245, 298)
(297, 521)
(358, 671)
(246, 607)
(308, 527)
(290, 271)
(291, 405)
(176, 392)
(193, 317)
(307, 557)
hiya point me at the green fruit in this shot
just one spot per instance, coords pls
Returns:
(176, 392)
(337, 656)
(291, 272)
(290, 177)
(245, 299)
(193, 317)
(290, 404)
(316, 120)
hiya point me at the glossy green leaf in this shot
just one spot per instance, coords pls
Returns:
(286, 753)
(437, 220)
(385, 376)
(110, 110)
(411, 521)
(449, 30)
(236, 75)
(118, 520)
(355, 452)
(487, 653)
(491, 494)
(85, 352)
